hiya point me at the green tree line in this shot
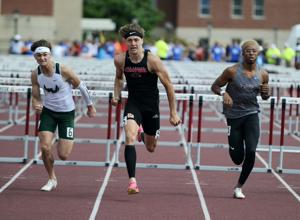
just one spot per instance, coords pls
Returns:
(124, 11)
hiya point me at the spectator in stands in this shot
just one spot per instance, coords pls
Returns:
(75, 49)
(260, 60)
(177, 51)
(102, 54)
(110, 48)
(288, 55)
(297, 55)
(217, 52)
(243, 81)
(234, 52)
(16, 45)
(200, 53)
(117, 45)
(142, 70)
(59, 50)
(57, 107)
(191, 49)
(273, 55)
(162, 49)
(26, 49)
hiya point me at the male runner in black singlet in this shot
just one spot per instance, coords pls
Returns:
(244, 81)
(142, 70)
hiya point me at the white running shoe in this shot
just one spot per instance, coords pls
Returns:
(50, 185)
(238, 194)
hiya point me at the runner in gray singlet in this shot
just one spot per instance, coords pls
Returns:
(243, 81)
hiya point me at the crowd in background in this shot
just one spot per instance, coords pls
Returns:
(106, 49)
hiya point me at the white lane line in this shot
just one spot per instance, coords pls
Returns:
(102, 189)
(287, 186)
(105, 182)
(195, 178)
(22, 170)
(12, 124)
(6, 127)
(200, 193)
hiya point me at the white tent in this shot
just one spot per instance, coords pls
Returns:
(294, 36)
(97, 24)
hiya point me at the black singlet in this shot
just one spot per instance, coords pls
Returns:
(141, 83)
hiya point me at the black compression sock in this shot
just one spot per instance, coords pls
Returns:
(130, 159)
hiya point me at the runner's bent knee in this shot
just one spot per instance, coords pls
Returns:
(151, 147)
(131, 128)
(63, 157)
(64, 148)
(150, 142)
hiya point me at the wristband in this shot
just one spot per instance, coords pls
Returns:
(85, 94)
(222, 93)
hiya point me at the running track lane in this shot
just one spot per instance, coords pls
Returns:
(79, 187)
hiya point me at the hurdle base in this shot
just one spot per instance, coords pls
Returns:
(12, 159)
(76, 163)
(116, 164)
(156, 166)
(227, 168)
(279, 170)
(289, 171)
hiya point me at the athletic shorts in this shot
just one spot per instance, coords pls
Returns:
(150, 120)
(49, 120)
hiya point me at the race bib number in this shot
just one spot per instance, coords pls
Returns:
(70, 132)
(228, 130)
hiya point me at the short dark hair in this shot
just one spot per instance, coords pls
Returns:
(40, 43)
(131, 27)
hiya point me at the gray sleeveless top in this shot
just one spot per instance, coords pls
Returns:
(243, 91)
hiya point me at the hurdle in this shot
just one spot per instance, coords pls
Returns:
(186, 143)
(13, 101)
(199, 145)
(287, 149)
(25, 138)
(108, 141)
(297, 113)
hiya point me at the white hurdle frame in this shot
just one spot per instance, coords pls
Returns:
(25, 138)
(215, 98)
(288, 149)
(108, 141)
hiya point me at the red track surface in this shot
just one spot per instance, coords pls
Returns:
(165, 193)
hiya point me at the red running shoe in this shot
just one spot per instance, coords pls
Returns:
(133, 188)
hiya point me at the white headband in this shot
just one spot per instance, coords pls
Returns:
(41, 50)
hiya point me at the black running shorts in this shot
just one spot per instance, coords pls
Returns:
(150, 120)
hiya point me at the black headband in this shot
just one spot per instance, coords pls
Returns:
(133, 33)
